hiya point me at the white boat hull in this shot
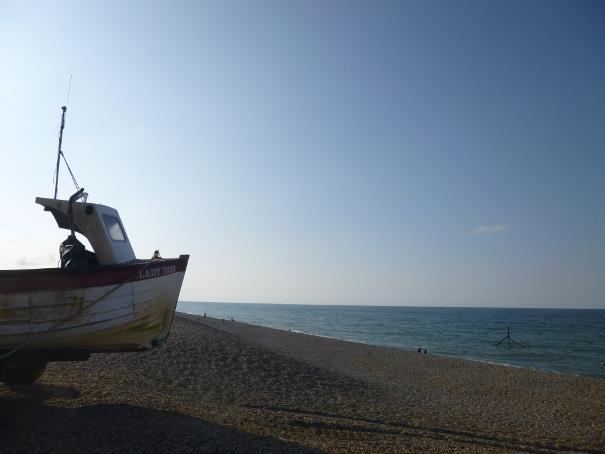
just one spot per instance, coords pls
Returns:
(133, 314)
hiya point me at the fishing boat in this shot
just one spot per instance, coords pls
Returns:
(105, 300)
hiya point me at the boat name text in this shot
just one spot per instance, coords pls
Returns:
(155, 272)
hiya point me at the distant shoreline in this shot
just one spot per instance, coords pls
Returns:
(287, 330)
(227, 323)
(554, 341)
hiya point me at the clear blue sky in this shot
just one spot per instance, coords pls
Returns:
(377, 152)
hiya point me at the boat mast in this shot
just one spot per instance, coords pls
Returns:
(59, 152)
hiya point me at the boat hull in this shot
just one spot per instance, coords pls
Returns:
(118, 308)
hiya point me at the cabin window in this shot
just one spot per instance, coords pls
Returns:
(114, 228)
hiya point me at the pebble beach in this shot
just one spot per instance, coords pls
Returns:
(225, 386)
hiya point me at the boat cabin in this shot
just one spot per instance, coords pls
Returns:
(100, 224)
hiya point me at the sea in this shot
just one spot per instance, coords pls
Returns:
(568, 341)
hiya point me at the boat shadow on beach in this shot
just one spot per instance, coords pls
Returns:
(30, 423)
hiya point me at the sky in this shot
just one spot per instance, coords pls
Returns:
(320, 152)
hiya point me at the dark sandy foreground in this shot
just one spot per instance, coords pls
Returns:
(229, 387)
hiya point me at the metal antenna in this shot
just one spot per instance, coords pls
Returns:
(68, 90)
(59, 152)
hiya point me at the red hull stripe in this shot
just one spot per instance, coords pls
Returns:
(53, 279)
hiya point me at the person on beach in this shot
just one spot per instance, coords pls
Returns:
(419, 349)
(425, 352)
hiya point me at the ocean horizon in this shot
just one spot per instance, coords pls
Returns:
(553, 340)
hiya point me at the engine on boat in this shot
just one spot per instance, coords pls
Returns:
(74, 254)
